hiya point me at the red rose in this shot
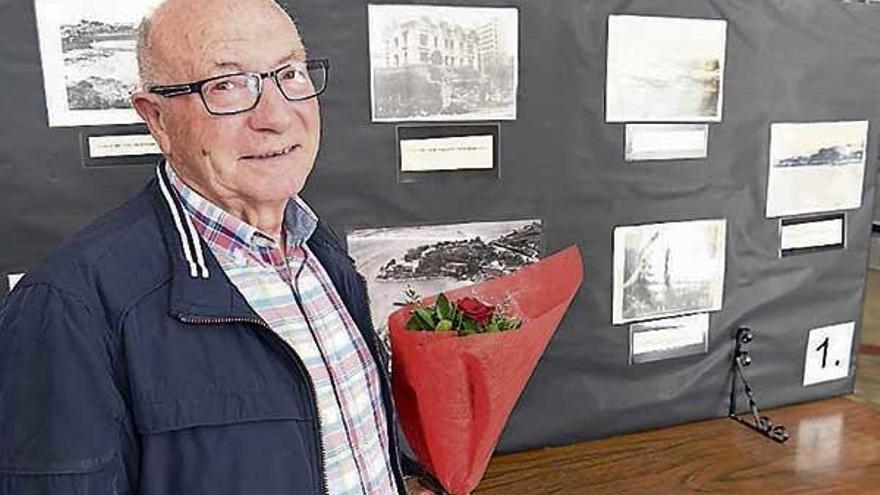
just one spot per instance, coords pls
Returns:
(475, 310)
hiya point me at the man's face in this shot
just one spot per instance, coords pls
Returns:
(260, 156)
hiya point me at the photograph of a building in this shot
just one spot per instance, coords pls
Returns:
(668, 269)
(89, 60)
(443, 63)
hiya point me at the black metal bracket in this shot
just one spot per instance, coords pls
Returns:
(741, 360)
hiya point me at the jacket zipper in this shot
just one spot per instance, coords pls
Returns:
(395, 449)
(319, 440)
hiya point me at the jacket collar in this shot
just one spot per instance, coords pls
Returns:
(199, 286)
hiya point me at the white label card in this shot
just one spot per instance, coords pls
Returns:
(828, 353)
(13, 279)
(812, 234)
(669, 338)
(447, 153)
(122, 145)
(666, 141)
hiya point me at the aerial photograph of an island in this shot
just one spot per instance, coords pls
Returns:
(435, 258)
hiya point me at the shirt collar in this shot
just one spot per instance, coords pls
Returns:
(216, 225)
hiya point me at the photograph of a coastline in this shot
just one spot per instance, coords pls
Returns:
(431, 62)
(435, 258)
(665, 69)
(89, 62)
(668, 269)
(816, 167)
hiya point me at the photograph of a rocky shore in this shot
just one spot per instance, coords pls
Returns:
(89, 61)
(435, 258)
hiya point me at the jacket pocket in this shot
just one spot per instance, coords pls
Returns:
(224, 442)
(213, 407)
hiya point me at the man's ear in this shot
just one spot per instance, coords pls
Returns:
(150, 109)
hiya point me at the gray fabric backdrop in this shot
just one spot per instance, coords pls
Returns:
(787, 60)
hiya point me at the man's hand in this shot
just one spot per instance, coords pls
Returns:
(415, 487)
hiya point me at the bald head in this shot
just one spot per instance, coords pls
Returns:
(183, 37)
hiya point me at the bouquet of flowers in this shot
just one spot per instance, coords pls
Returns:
(461, 360)
(467, 316)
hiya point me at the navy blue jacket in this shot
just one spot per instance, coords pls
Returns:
(123, 373)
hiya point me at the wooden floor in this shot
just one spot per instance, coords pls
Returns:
(836, 448)
(868, 365)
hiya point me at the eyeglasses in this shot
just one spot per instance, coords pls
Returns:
(240, 92)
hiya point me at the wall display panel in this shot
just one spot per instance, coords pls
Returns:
(785, 61)
(443, 63)
(816, 167)
(88, 58)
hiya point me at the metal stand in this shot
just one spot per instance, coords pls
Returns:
(741, 360)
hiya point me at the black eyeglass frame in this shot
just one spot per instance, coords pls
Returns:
(172, 90)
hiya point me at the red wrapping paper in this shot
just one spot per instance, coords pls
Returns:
(454, 394)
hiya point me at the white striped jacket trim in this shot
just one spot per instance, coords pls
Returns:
(189, 238)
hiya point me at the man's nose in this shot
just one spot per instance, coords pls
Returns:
(273, 112)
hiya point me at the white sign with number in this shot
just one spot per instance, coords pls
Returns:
(828, 353)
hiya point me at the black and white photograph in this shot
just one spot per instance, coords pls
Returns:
(665, 69)
(666, 142)
(438, 63)
(668, 269)
(669, 338)
(816, 167)
(435, 258)
(89, 61)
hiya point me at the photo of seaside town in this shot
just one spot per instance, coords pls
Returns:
(817, 144)
(434, 258)
(816, 167)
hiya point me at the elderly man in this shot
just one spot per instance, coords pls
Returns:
(210, 336)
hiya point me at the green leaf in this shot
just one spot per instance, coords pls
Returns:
(444, 309)
(426, 317)
(469, 325)
(413, 324)
(444, 326)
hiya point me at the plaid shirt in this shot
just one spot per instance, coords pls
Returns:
(318, 328)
